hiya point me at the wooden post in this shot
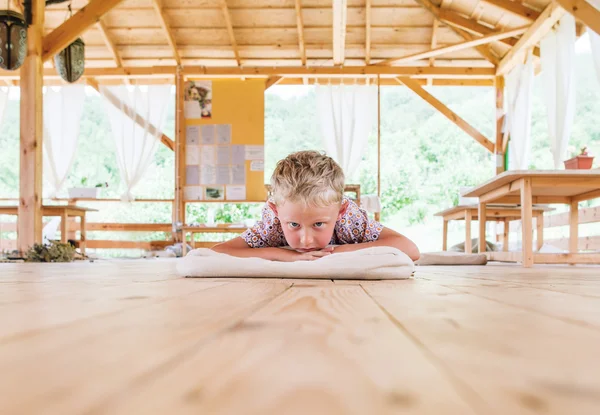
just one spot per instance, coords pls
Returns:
(29, 225)
(179, 204)
(82, 232)
(505, 234)
(377, 214)
(527, 222)
(574, 228)
(540, 230)
(445, 236)
(468, 222)
(499, 122)
(482, 221)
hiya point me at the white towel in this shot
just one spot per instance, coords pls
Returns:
(376, 263)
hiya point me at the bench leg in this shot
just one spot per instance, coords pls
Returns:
(445, 236)
(468, 222)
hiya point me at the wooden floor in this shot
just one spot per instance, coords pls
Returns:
(129, 337)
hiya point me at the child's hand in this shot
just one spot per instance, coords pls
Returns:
(312, 255)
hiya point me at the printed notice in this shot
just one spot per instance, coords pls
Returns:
(192, 155)
(208, 175)
(235, 192)
(238, 154)
(192, 110)
(255, 152)
(223, 156)
(257, 165)
(192, 135)
(191, 175)
(193, 193)
(223, 133)
(238, 174)
(208, 155)
(223, 176)
(208, 134)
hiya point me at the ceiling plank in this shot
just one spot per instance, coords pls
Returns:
(300, 25)
(584, 12)
(227, 17)
(447, 112)
(455, 47)
(109, 43)
(70, 30)
(129, 111)
(340, 12)
(548, 18)
(168, 32)
(515, 8)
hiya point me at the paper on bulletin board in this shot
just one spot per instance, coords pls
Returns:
(222, 175)
(236, 192)
(238, 154)
(192, 135)
(214, 193)
(238, 174)
(192, 175)
(198, 99)
(223, 133)
(208, 134)
(255, 152)
(193, 193)
(208, 155)
(208, 175)
(192, 110)
(192, 155)
(223, 155)
(257, 165)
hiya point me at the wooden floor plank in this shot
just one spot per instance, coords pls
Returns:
(323, 350)
(518, 361)
(73, 369)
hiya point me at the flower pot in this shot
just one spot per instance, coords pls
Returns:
(579, 163)
(83, 193)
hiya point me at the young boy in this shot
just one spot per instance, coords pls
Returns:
(308, 213)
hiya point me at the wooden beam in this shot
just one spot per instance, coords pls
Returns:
(340, 12)
(167, 29)
(272, 80)
(70, 30)
(434, 30)
(515, 8)
(368, 32)
(447, 112)
(548, 18)
(29, 222)
(583, 11)
(227, 17)
(300, 27)
(454, 19)
(485, 51)
(500, 149)
(137, 118)
(109, 43)
(453, 48)
(179, 216)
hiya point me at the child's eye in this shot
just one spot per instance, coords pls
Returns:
(293, 224)
(319, 224)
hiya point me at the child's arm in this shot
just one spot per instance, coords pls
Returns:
(387, 237)
(239, 248)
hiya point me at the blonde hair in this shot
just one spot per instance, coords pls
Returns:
(309, 177)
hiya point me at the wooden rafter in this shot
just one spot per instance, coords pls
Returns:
(434, 30)
(368, 32)
(109, 43)
(227, 17)
(453, 48)
(137, 118)
(584, 12)
(447, 112)
(548, 18)
(67, 32)
(272, 80)
(483, 50)
(167, 29)
(452, 18)
(340, 11)
(515, 8)
(300, 26)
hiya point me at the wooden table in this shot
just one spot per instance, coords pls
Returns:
(500, 213)
(221, 228)
(544, 187)
(64, 212)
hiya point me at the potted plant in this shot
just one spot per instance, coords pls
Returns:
(582, 161)
(85, 192)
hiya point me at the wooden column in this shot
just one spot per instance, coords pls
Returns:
(378, 214)
(505, 235)
(482, 221)
(468, 222)
(574, 228)
(29, 225)
(445, 236)
(527, 222)
(179, 204)
(499, 150)
(540, 230)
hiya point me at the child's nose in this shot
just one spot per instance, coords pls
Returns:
(306, 238)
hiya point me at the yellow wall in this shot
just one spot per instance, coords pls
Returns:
(241, 104)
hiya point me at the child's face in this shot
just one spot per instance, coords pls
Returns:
(308, 228)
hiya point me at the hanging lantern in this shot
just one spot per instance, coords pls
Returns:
(13, 40)
(70, 62)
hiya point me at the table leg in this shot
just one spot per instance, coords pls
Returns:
(505, 234)
(184, 243)
(445, 236)
(539, 221)
(527, 222)
(64, 227)
(482, 222)
(468, 222)
(82, 232)
(574, 228)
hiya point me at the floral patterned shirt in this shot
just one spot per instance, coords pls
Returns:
(352, 228)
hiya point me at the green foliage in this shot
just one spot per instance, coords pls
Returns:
(53, 252)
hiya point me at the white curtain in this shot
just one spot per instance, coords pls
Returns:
(595, 46)
(3, 99)
(346, 114)
(557, 53)
(63, 107)
(519, 89)
(136, 142)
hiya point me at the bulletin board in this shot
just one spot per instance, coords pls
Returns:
(224, 141)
